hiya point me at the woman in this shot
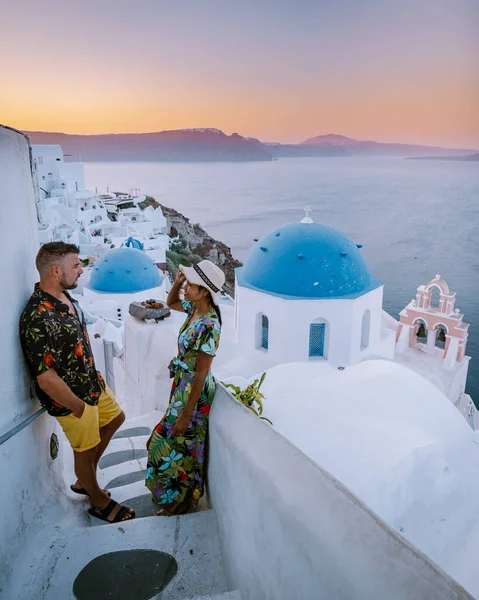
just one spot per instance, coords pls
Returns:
(176, 448)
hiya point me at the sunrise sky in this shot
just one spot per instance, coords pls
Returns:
(284, 70)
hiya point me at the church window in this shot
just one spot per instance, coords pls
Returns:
(365, 327)
(317, 334)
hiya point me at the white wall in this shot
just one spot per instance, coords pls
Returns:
(48, 167)
(289, 322)
(149, 347)
(19, 243)
(458, 383)
(74, 176)
(124, 300)
(289, 530)
(25, 464)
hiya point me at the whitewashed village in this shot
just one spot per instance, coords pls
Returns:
(359, 483)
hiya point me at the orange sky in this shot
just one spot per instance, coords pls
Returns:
(277, 72)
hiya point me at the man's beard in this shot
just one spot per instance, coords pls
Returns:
(69, 286)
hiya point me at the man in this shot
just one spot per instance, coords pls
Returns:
(55, 342)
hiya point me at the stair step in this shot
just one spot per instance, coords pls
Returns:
(126, 479)
(234, 595)
(122, 456)
(132, 432)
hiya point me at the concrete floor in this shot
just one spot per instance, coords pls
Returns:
(66, 546)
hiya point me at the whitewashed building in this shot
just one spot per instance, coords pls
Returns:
(305, 293)
(69, 212)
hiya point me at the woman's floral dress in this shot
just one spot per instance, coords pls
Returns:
(175, 468)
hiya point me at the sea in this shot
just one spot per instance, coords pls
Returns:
(414, 218)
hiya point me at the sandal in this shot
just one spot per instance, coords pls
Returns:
(83, 491)
(113, 513)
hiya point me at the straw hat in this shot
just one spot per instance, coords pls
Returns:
(206, 274)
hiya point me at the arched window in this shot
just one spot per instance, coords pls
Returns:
(441, 336)
(365, 327)
(262, 331)
(318, 338)
(435, 297)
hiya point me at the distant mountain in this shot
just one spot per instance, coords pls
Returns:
(184, 145)
(299, 150)
(467, 158)
(212, 145)
(369, 148)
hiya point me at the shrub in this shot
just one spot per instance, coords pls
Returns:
(250, 396)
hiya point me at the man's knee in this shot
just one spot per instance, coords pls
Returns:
(116, 423)
(85, 456)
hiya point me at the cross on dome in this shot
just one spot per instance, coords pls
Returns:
(307, 218)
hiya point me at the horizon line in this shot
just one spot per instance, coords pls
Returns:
(445, 147)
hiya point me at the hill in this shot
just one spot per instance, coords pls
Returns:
(212, 145)
(184, 145)
(370, 148)
(467, 158)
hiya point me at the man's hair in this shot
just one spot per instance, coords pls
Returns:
(52, 253)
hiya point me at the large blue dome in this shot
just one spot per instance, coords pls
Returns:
(124, 270)
(307, 261)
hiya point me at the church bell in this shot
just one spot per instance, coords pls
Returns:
(421, 332)
(441, 336)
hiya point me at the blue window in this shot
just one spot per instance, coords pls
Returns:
(317, 333)
(264, 331)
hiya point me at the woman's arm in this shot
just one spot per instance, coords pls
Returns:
(173, 301)
(203, 366)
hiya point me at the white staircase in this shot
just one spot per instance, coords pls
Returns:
(73, 539)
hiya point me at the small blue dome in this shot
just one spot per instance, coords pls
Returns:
(132, 242)
(307, 261)
(124, 270)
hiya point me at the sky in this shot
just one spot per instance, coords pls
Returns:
(283, 70)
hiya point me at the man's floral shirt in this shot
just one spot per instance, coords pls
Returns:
(52, 337)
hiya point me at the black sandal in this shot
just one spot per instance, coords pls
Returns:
(112, 513)
(83, 491)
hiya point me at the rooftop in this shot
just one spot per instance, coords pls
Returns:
(125, 270)
(395, 441)
(307, 260)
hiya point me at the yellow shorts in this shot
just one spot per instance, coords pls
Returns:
(84, 433)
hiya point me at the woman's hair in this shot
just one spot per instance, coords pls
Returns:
(215, 306)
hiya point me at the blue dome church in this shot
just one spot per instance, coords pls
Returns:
(305, 292)
(121, 276)
(124, 271)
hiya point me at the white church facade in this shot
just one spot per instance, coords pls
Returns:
(305, 293)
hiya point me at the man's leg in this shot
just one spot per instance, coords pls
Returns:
(85, 471)
(106, 433)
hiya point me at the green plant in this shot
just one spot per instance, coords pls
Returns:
(250, 396)
(149, 201)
